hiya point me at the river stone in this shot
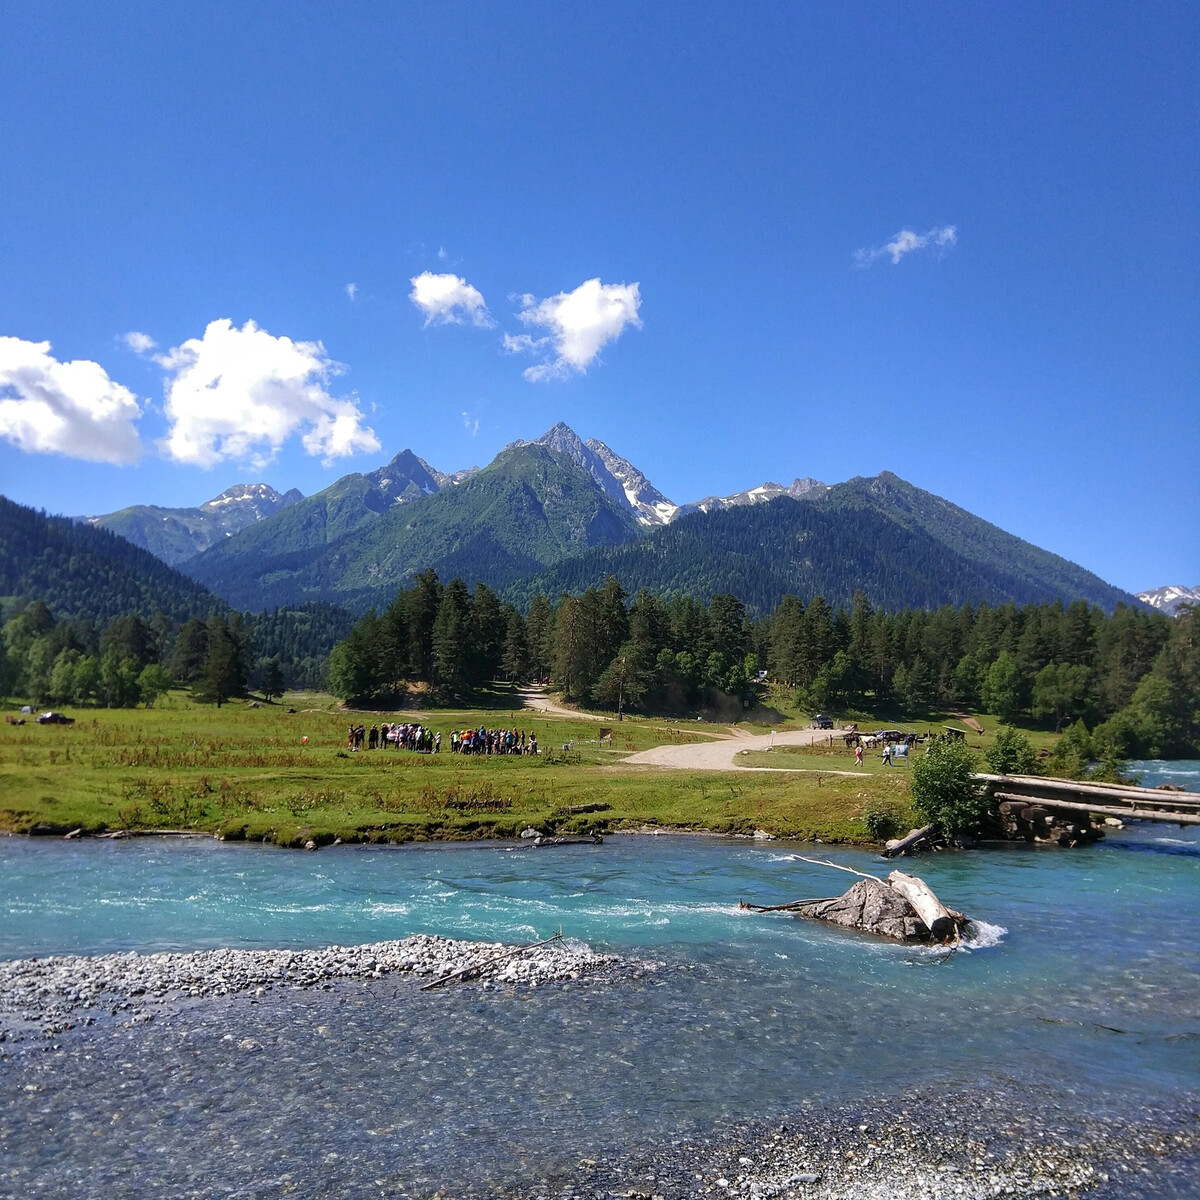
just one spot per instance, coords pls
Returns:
(873, 907)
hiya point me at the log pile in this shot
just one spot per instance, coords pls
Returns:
(1027, 820)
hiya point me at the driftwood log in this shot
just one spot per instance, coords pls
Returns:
(790, 906)
(909, 842)
(936, 916)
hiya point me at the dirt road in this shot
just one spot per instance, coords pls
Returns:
(720, 756)
(539, 700)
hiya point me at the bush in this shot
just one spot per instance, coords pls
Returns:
(1072, 753)
(1011, 753)
(945, 793)
(880, 824)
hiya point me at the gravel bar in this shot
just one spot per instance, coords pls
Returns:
(53, 993)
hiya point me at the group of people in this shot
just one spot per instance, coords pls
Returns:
(493, 741)
(406, 736)
(422, 740)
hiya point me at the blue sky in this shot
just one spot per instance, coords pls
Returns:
(1028, 349)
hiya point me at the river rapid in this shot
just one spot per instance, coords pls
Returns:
(1067, 1032)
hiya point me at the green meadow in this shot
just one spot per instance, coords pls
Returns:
(243, 771)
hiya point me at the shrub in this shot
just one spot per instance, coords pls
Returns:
(880, 824)
(1072, 753)
(1011, 753)
(945, 793)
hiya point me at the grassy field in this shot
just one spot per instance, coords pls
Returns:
(246, 772)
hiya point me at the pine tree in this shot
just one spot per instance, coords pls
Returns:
(515, 658)
(452, 630)
(272, 680)
(222, 676)
(486, 634)
(423, 602)
(539, 636)
(191, 651)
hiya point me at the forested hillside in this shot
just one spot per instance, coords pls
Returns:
(898, 545)
(82, 571)
(1028, 571)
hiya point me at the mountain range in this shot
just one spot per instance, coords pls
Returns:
(1171, 598)
(561, 513)
(174, 534)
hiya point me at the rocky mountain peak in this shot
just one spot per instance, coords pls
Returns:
(241, 492)
(406, 477)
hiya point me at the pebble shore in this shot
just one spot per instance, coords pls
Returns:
(54, 994)
(932, 1145)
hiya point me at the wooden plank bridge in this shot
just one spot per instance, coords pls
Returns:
(1104, 799)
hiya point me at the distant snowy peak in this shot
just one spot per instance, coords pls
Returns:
(258, 500)
(650, 505)
(1171, 598)
(758, 495)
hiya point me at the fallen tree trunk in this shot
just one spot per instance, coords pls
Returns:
(936, 916)
(567, 839)
(905, 844)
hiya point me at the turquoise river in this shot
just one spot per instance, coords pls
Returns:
(1077, 1005)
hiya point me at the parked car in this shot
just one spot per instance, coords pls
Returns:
(822, 721)
(55, 718)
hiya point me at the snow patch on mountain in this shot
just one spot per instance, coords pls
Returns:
(758, 495)
(647, 502)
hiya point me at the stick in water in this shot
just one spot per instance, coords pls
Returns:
(487, 962)
(820, 862)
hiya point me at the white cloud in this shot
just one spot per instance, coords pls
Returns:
(70, 408)
(449, 300)
(139, 343)
(239, 394)
(905, 242)
(352, 290)
(470, 423)
(578, 325)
